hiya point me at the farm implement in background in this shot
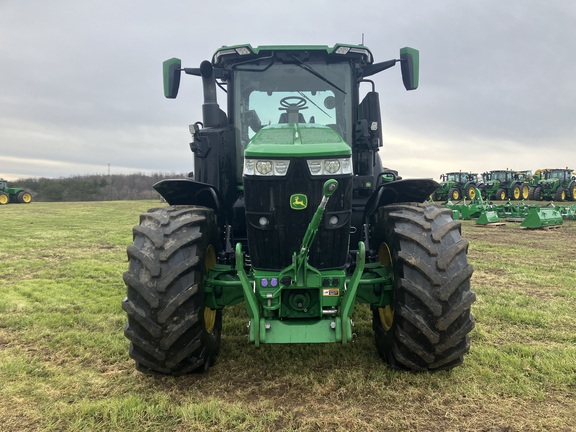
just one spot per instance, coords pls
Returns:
(529, 216)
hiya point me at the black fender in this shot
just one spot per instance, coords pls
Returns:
(190, 192)
(409, 190)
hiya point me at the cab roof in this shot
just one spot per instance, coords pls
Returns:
(240, 53)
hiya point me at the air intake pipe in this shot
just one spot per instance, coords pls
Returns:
(210, 108)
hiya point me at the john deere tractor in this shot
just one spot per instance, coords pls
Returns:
(290, 211)
(555, 184)
(13, 194)
(455, 186)
(504, 184)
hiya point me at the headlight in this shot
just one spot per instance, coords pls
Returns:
(266, 167)
(330, 166)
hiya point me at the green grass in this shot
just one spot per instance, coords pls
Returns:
(64, 361)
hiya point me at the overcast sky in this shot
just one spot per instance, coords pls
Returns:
(81, 81)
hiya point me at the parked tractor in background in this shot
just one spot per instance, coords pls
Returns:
(13, 194)
(504, 184)
(555, 184)
(455, 186)
(291, 212)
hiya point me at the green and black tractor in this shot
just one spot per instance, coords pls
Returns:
(455, 186)
(504, 184)
(13, 194)
(290, 211)
(555, 184)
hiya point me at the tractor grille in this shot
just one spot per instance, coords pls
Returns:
(271, 246)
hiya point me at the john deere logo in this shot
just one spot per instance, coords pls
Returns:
(298, 202)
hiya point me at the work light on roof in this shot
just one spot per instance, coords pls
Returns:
(243, 51)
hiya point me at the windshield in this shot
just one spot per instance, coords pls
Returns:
(499, 176)
(556, 175)
(324, 88)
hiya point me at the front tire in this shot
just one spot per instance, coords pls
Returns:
(560, 194)
(572, 191)
(454, 194)
(517, 192)
(170, 329)
(525, 191)
(538, 194)
(428, 324)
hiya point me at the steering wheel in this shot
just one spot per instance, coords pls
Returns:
(298, 102)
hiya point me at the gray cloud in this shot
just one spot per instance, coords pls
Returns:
(81, 82)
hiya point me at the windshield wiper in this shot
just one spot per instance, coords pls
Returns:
(315, 73)
(313, 103)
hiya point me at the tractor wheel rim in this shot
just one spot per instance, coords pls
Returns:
(3, 199)
(209, 314)
(27, 198)
(386, 315)
(472, 194)
(209, 319)
(516, 193)
(384, 255)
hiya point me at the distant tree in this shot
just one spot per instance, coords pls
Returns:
(96, 187)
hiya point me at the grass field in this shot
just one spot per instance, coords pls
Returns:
(64, 362)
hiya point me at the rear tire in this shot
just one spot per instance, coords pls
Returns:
(427, 327)
(24, 197)
(471, 192)
(169, 328)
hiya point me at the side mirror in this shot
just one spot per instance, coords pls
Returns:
(410, 65)
(171, 70)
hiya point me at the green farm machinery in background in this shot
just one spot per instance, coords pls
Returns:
(13, 194)
(504, 184)
(455, 186)
(554, 184)
(291, 212)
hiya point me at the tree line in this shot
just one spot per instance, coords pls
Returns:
(95, 187)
